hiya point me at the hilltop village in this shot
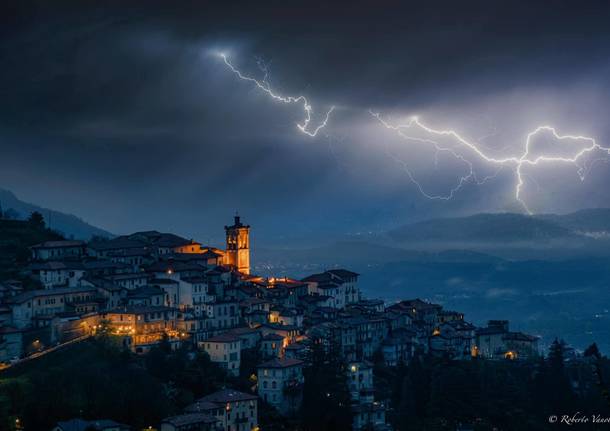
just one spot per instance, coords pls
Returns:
(149, 288)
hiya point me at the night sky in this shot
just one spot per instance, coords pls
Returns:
(126, 116)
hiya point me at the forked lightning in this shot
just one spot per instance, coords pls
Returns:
(414, 124)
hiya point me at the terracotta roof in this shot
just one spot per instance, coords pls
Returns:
(210, 254)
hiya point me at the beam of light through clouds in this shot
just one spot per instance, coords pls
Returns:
(580, 146)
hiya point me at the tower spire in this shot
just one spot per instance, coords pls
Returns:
(238, 245)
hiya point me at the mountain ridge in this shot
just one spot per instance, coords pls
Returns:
(68, 225)
(504, 227)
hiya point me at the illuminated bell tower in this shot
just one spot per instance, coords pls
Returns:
(238, 246)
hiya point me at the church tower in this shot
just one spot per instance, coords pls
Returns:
(238, 246)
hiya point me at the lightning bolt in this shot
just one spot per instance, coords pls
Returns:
(517, 163)
(302, 100)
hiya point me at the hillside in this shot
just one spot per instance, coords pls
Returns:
(594, 220)
(482, 228)
(67, 224)
(60, 376)
(15, 238)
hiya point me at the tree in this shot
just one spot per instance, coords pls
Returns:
(11, 214)
(326, 397)
(558, 391)
(37, 220)
(556, 355)
(592, 350)
(406, 418)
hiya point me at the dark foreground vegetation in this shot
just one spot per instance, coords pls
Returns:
(96, 379)
(15, 238)
(437, 394)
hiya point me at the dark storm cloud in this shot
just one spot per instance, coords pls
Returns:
(118, 113)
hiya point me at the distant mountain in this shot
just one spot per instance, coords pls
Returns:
(67, 224)
(482, 228)
(593, 222)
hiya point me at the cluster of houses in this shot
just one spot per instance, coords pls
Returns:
(150, 286)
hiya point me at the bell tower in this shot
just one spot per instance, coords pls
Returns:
(238, 245)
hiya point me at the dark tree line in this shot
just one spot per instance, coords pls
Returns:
(89, 380)
(326, 397)
(440, 394)
(98, 379)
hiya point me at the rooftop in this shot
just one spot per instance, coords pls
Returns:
(343, 273)
(83, 425)
(145, 292)
(295, 346)
(116, 244)
(56, 265)
(58, 244)
(227, 396)
(336, 275)
(139, 309)
(201, 406)
(31, 294)
(223, 338)
(189, 419)
(281, 363)
(243, 330)
(163, 281)
(272, 337)
(174, 266)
